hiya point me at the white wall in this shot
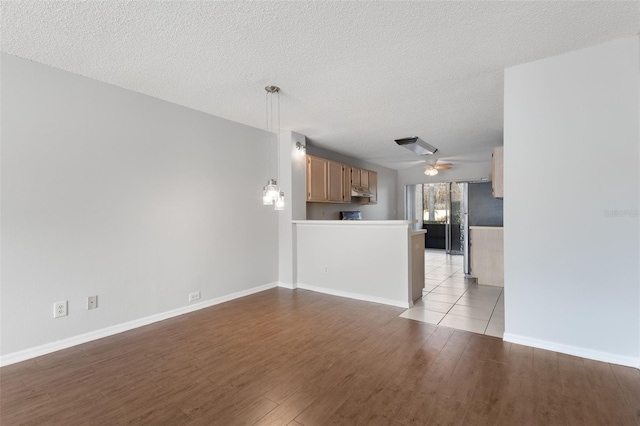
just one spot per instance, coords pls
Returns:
(366, 260)
(384, 209)
(572, 153)
(112, 193)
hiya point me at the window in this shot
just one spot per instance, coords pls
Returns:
(435, 203)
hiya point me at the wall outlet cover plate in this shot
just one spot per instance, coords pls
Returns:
(60, 309)
(92, 302)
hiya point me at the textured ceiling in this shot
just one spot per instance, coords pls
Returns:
(354, 75)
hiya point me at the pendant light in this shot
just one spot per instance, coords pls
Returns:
(279, 204)
(271, 194)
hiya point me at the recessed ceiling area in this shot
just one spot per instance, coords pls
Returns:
(354, 75)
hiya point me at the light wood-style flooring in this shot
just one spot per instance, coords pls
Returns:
(285, 357)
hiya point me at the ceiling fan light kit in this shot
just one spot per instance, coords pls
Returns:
(430, 171)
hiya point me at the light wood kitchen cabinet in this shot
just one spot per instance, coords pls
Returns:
(417, 265)
(497, 176)
(373, 187)
(330, 182)
(347, 183)
(487, 254)
(364, 178)
(355, 176)
(317, 174)
(335, 181)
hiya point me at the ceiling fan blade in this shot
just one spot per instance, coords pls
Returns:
(444, 166)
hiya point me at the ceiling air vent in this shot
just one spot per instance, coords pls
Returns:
(416, 145)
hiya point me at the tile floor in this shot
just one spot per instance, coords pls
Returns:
(454, 301)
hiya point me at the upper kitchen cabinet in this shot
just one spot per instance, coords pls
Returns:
(497, 180)
(331, 182)
(347, 183)
(373, 187)
(355, 176)
(364, 178)
(317, 174)
(336, 183)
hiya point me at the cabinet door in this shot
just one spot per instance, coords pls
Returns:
(373, 187)
(347, 183)
(355, 176)
(487, 256)
(497, 180)
(364, 178)
(336, 182)
(316, 179)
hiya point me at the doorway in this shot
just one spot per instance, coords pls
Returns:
(441, 209)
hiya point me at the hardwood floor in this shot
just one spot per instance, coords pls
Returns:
(285, 357)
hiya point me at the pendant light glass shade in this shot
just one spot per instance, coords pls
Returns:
(279, 204)
(272, 190)
(266, 197)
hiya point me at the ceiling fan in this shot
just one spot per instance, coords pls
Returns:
(432, 169)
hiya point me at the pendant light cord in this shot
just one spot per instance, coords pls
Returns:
(271, 129)
(278, 142)
(266, 107)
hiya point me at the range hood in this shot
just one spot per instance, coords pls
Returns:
(416, 145)
(359, 191)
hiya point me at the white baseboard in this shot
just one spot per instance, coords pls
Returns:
(356, 296)
(287, 285)
(573, 350)
(26, 354)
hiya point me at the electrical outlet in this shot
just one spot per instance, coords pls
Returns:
(60, 309)
(92, 302)
(326, 269)
(194, 296)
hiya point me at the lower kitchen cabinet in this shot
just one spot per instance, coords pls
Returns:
(487, 254)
